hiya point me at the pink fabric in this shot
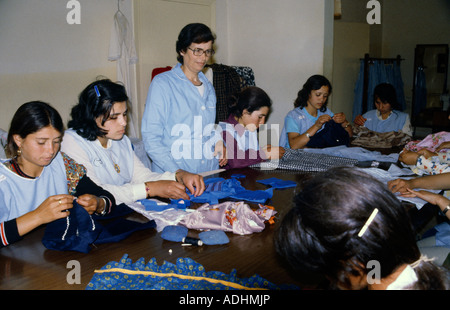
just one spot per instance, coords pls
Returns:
(430, 142)
(229, 216)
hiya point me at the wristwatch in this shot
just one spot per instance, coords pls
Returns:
(446, 209)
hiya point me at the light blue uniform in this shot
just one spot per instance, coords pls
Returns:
(299, 120)
(395, 121)
(178, 127)
(14, 203)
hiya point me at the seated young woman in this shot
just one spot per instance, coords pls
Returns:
(386, 117)
(310, 116)
(96, 138)
(38, 183)
(248, 111)
(428, 156)
(350, 228)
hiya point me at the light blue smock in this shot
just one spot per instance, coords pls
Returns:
(395, 121)
(178, 127)
(20, 195)
(299, 120)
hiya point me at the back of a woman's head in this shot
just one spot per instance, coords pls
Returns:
(314, 82)
(320, 232)
(251, 99)
(96, 100)
(29, 118)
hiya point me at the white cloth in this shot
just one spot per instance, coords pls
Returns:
(122, 49)
(128, 185)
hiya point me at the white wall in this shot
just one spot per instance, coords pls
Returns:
(42, 57)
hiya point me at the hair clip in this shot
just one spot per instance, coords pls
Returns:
(96, 90)
(368, 222)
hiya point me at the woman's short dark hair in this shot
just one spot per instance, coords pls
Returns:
(320, 233)
(192, 33)
(315, 82)
(386, 93)
(96, 100)
(29, 118)
(251, 99)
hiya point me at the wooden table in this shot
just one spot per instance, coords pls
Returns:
(28, 265)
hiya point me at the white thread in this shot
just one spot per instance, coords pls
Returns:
(67, 228)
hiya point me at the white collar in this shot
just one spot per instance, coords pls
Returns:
(406, 278)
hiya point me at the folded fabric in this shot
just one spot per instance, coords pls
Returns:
(153, 205)
(278, 183)
(301, 160)
(257, 196)
(220, 188)
(186, 274)
(230, 216)
(79, 230)
(214, 237)
(174, 233)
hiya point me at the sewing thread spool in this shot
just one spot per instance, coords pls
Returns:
(192, 241)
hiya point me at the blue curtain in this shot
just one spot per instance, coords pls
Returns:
(379, 72)
(420, 91)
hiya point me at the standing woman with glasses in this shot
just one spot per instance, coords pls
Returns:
(178, 125)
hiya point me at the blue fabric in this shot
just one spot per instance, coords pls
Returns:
(299, 120)
(79, 230)
(174, 233)
(333, 134)
(214, 237)
(152, 205)
(395, 122)
(420, 91)
(220, 188)
(277, 183)
(165, 277)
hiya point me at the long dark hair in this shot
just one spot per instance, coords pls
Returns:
(192, 33)
(320, 233)
(29, 118)
(96, 100)
(251, 99)
(313, 83)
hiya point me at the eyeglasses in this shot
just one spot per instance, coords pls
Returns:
(199, 52)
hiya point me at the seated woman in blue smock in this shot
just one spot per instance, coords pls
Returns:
(386, 117)
(310, 114)
(248, 110)
(38, 183)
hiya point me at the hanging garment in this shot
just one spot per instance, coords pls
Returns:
(420, 91)
(227, 82)
(122, 49)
